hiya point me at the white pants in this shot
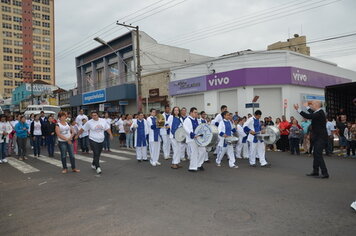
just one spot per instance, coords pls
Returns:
(196, 156)
(206, 155)
(229, 150)
(141, 153)
(184, 147)
(242, 147)
(176, 151)
(257, 150)
(154, 152)
(166, 145)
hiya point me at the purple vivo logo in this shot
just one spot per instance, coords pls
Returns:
(215, 81)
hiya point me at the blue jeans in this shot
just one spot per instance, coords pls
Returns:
(50, 144)
(37, 145)
(106, 141)
(129, 140)
(3, 150)
(84, 143)
(65, 147)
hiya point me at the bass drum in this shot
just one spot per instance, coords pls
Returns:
(271, 136)
(208, 135)
(180, 135)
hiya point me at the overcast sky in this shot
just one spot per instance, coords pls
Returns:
(247, 26)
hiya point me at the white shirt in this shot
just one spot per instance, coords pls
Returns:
(330, 127)
(79, 119)
(5, 127)
(64, 130)
(120, 124)
(84, 134)
(37, 128)
(108, 120)
(96, 129)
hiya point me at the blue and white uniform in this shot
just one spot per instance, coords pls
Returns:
(166, 142)
(206, 154)
(154, 139)
(197, 152)
(225, 128)
(174, 122)
(242, 145)
(257, 147)
(141, 131)
(184, 146)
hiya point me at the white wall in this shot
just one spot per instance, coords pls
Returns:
(270, 100)
(190, 101)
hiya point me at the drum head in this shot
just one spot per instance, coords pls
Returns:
(180, 134)
(209, 135)
(274, 135)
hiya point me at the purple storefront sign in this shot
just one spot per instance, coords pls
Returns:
(255, 76)
(192, 85)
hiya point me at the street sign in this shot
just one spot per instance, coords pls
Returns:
(123, 103)
(101, 107)
(97, 96)
(252, 105)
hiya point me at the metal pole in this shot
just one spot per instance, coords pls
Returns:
(32, 103)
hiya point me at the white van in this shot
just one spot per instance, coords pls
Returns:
(48, 110)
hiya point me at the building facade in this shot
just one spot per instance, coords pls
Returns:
(27, 43)
(297, 44)
(279, 79)
(107, 76)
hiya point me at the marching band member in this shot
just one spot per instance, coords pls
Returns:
(257, 148)
(197, 153)
(154, 139)
(174, 122)
(166, 144)
(184, 146)
(216, 121)
(242, 145)
(202, 120)
(141, 129)
(226, 129)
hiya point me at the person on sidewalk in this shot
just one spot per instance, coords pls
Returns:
(5, 130)
(37, 134)
(22, 130)
(49, 129)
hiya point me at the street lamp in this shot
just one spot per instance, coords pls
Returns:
(137, 83)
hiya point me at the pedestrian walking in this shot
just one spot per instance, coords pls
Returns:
(37, 134)
(22, 130)
(49, 129)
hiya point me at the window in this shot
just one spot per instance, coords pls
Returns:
(7, 42)
(6, 1)
(36, 46)
(18, 67)
(46, 24)
(18, 75)
(46, 47)
(37, 61)
(7, 34)
(7, 90)
(18, 83)
(36, 31)
(46, 54)
(6, 17)
(16, 3)
(17, 43)
(36, 38)
(18, 59)
(17, 11)
(7, 58)
(6, 26)
(8, 74)
(7, 67)
(18, 35)
(36, 22)
(37, 68)
(46, 32)
(46, 39)
(7, 50)
(17, 19)
(35, 76)
(36, 15)
(8, 82)
(36, 7)
(17, 51)
(45, 2)
(6, 9)
(45, 17)
(37, 53)
(46, 62)
(46, 69)
(46, 9)
(18, 27)
(47, 77)
(38, 1)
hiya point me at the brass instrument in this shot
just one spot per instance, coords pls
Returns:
(160, 121)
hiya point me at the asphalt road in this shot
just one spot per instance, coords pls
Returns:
(131, 198)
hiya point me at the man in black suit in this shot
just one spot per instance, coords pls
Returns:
(320, 136)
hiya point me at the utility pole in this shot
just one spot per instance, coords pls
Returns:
(138, 67)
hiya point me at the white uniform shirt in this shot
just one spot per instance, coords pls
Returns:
(79, 119)
(96, 129)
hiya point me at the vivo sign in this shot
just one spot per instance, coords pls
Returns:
(297, 76)
(215, 81)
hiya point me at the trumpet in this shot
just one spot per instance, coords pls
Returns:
(160, 121)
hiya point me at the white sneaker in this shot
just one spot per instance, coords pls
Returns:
(4, 160)
(183, 159)
(0, 161)
(93, 167)
(166, 158)
(158, 163)
(153, 164)
(234, 167)
(218, 165)
(98, 170)
(353, 205)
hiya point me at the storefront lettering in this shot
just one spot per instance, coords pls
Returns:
(185, 85)
(300, 77)
(219, 81)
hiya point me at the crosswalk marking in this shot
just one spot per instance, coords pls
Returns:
(123, 152)
(21, 166)
(82, 158)
(116, 157)
(49, 161)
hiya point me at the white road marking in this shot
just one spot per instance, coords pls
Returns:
(82, 158)
(133, 153)
(49, 161)
(116, 157)
(21, 166)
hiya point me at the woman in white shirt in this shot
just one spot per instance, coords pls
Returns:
(120, 125)
(5, 130)
(65, 135)
(96, 127)
(37, 135)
